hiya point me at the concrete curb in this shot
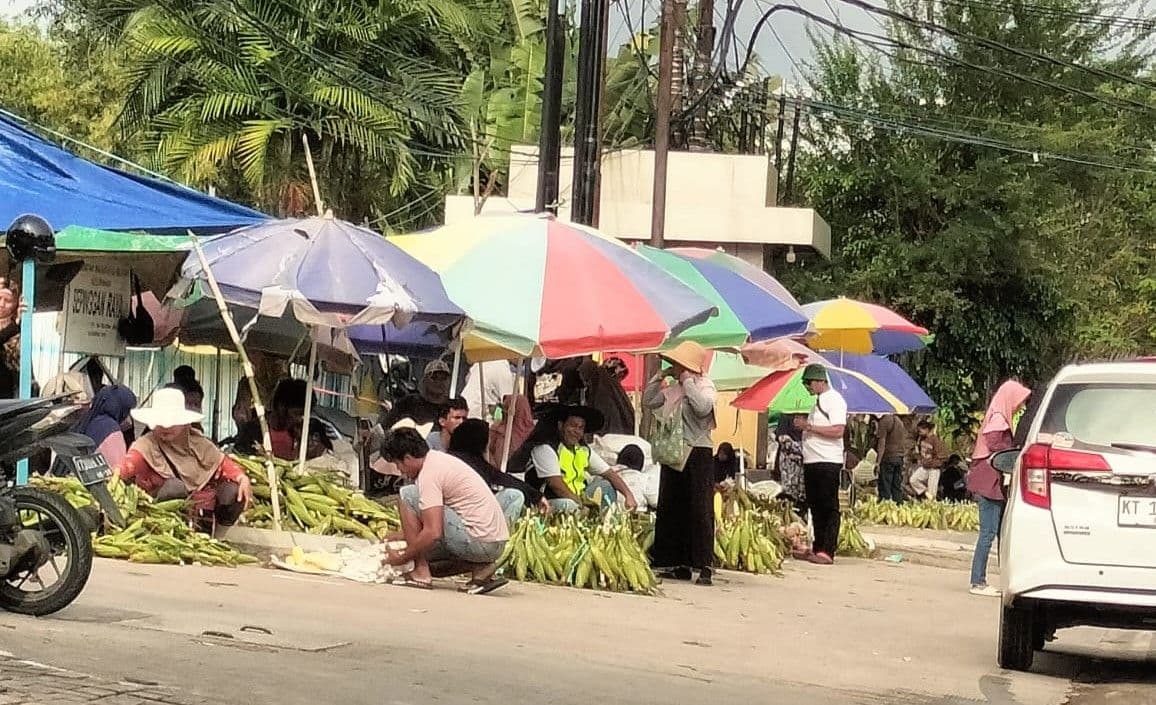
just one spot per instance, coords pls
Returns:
(930, 551)
(266, 542)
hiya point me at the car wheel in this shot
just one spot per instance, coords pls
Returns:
(1017, 637)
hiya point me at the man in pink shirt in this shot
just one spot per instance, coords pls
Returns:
(449, 516)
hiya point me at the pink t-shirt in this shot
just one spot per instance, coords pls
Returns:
(445, 481)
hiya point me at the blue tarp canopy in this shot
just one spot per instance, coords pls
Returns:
(39, 177)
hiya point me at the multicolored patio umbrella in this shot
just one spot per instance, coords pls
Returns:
(744, 269)
(784, 393)
(746, 311)
(328, 272)
(893, 378)
(858, 327)
(537, 286)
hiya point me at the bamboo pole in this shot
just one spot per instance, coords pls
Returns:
(250, 374)
(312, 370)
(509, 419)
(313, 175)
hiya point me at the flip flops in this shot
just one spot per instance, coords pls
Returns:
(486, 586)
(411, 583)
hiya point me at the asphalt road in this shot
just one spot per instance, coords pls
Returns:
(859, 632)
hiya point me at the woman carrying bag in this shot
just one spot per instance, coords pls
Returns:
(683, 400)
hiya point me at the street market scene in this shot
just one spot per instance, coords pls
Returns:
(487, 352)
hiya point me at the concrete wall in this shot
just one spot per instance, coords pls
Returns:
(712, 199)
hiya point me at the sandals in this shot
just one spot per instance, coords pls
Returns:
(411, 583)
(679, 573)
(485, 587)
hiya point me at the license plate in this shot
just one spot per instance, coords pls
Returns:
(1137, 511)
(91, 469)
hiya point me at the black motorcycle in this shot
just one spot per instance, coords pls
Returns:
(46, 543)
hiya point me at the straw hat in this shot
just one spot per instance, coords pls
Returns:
(167, 410)
(594, 418)
(689, 355)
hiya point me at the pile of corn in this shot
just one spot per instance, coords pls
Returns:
(315, 503)
(604, 551)
(749, 532)
(957, 516)
(157, 532)
(851, 541)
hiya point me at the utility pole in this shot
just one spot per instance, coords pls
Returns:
(662, 122)
(587, 146)
(550, 139)
(794, 149)
(781, 115)
(704, 48)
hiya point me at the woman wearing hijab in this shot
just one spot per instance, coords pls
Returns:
(985, 482)
(726, 463)
(684, 521)
(11, 309)
(522, 423)
(790, 461)
(104, 422)
(175, 461)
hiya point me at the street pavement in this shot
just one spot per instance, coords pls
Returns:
(860, 632)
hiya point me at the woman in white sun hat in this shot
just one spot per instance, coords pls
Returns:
(175, 461)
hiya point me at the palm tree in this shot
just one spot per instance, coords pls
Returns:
(228, 92)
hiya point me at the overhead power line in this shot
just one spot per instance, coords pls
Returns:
(858, 117)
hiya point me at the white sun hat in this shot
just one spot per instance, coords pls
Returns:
(167, 410)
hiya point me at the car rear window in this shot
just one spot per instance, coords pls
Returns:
(1103, 414)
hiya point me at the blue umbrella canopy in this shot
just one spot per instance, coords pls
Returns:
(892, 377)
(329, 272)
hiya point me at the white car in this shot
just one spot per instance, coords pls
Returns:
(1078, 542)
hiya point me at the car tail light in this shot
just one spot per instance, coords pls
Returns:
(1040, 461)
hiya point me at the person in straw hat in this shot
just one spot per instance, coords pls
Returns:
(175, 461)
(684, 525)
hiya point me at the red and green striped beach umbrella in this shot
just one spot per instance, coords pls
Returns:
(537, 286)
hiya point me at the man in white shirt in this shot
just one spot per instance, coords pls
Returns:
(487, 384)
(823, 462)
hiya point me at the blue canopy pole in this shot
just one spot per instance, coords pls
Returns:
(29, 293)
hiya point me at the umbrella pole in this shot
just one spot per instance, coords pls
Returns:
(457, 369)
(636, 393)
(509, 418)
(250, 374)
(742, 453)
(312, 371)
(486, 415)
(217, 398)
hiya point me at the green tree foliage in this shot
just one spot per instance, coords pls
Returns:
(40, 81)
(224, 92)
(1017, 261)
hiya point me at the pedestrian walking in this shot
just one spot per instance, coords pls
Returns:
(985, 482)
(823, 462)
(684, 523)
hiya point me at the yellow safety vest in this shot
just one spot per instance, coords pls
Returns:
(574, 464)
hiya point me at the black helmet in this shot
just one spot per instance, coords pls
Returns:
(31, 236)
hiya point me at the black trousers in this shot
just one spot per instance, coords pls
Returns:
(822, 483)
(684, 520)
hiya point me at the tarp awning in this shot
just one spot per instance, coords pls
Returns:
(39, 177)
